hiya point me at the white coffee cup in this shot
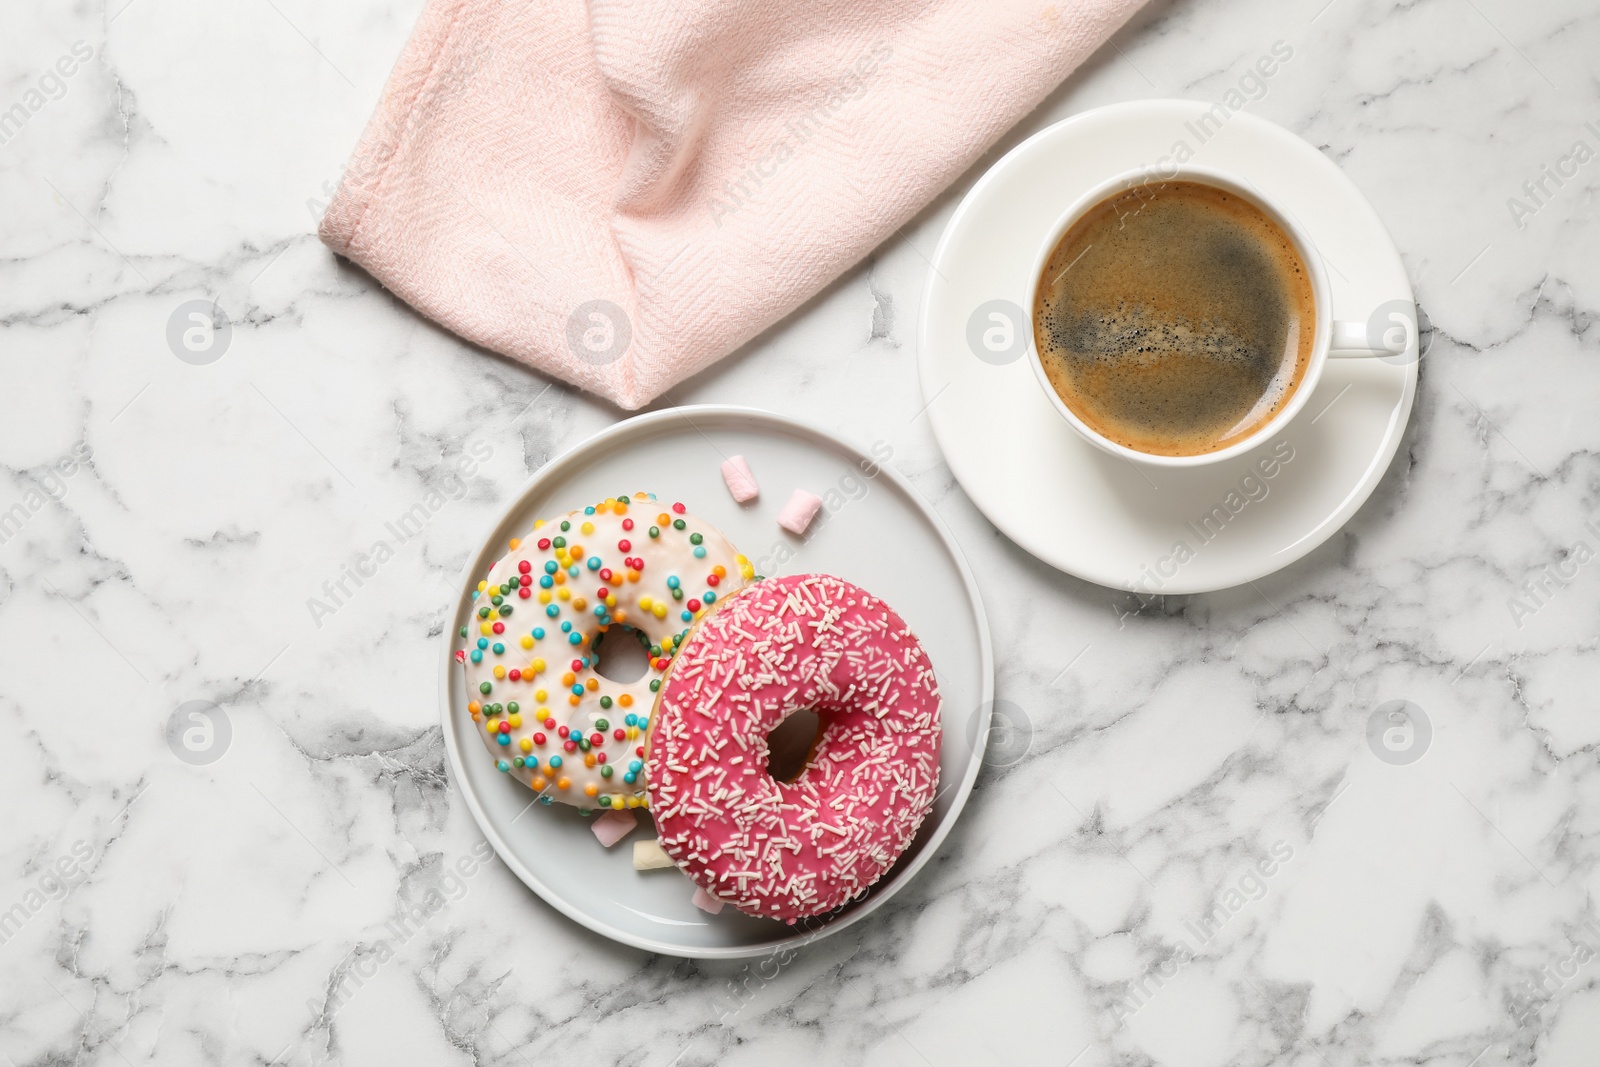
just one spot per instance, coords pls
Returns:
(1333, 339)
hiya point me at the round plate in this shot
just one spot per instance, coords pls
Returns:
(1107, 519)
(874, 530)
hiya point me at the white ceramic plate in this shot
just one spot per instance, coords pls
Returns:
(875, 531)
(1105, 519)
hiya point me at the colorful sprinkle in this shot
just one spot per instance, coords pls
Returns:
(612, 556)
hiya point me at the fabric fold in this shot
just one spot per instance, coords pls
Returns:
(622, 194)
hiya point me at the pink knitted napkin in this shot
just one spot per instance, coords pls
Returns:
(621, 194)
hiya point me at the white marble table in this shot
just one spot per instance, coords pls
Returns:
(1102, 901)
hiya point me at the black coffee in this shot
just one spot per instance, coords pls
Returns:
(1175, 318)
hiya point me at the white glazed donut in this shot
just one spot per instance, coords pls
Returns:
(625, 567)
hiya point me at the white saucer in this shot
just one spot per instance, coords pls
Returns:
(875, 531)
(1106, 519)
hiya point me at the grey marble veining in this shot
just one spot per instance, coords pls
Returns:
(1186, 851)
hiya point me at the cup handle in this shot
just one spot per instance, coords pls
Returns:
(1348, 340)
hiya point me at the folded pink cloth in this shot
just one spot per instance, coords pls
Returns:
(621, 193)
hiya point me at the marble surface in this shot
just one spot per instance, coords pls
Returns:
(1187, 850)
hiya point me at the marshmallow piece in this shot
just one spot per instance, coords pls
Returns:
(741, 482)
(799, 511)
(705, 901)
(648, 856)
(613, 826)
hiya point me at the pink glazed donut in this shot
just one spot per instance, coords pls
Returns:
(787, 850)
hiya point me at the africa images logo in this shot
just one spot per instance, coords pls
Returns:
(850, 85)
(52, 85)
(198, 332)
(1253, 488)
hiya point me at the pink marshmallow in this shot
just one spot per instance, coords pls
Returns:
(741, 482)
(705, 901)
(799, 511)
(613, 826)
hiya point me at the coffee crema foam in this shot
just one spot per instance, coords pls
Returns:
(1175, 318)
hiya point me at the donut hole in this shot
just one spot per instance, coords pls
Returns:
(622, 655)
(790, 744)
